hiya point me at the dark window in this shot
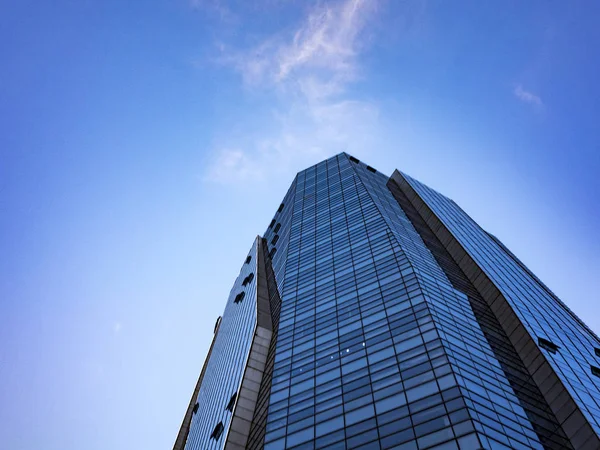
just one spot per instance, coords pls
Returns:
(272, 252)
(218, 431)
(248, 259)
(277, 227)
(597, 350)
(371, 169)
(248, 279)
(239, 297)
(280, 208)
(275, 239)
(231, 403)
(272, 223)
(354, 160)
(196, 406)
(596, 371)
(548, 345)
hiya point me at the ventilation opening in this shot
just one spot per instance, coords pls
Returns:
(371, 169)
(231, 403)
(248, 259)
(275, 239)
(217, 432)
(280, 208)
(595, 371)
(272, 223)
(239, 297)
(196, 406)
(272, 252)
(354, 160)
(248, 279)
(548, 345)
(597, 350)
(277, 227)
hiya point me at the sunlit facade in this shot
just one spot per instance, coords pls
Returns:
(374, 313)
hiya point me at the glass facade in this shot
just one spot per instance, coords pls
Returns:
(540, 311)
(227, 362)
(382, 340)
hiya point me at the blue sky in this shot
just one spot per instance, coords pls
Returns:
(143, 145)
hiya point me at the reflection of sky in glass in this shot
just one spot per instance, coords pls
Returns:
(223, 376)
(137, 164)
(374, 340)
(541, 313)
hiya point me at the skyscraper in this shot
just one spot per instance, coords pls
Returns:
(374, 313)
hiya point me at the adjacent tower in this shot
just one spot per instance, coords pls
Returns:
(374, 313)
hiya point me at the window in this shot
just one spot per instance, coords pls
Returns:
(231, 403)
(239, 297)
(272, 223)
(371, 169)
(248, 279)
(272, 252)
(280, 208)
(548, 345)
(354, 160)
(275, 239)
(248, 259)
(597, 350)
(277, 227)
(595, 371)
(217, 432)
(196, 406)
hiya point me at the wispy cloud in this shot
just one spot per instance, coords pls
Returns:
(528, 97)
(328, 40)
(310, 69)
(326, 44)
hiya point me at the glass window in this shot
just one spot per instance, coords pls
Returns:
(217, 432)
(389, 403)
(300, 437)
(358, 415)
(329, 426)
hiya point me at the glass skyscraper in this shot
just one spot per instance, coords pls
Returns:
(374, 313)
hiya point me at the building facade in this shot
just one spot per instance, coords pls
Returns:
(374, 313)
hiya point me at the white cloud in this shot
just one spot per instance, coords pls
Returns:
(310, 69)
(327, 40)
(528, 97)
(325, 43)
